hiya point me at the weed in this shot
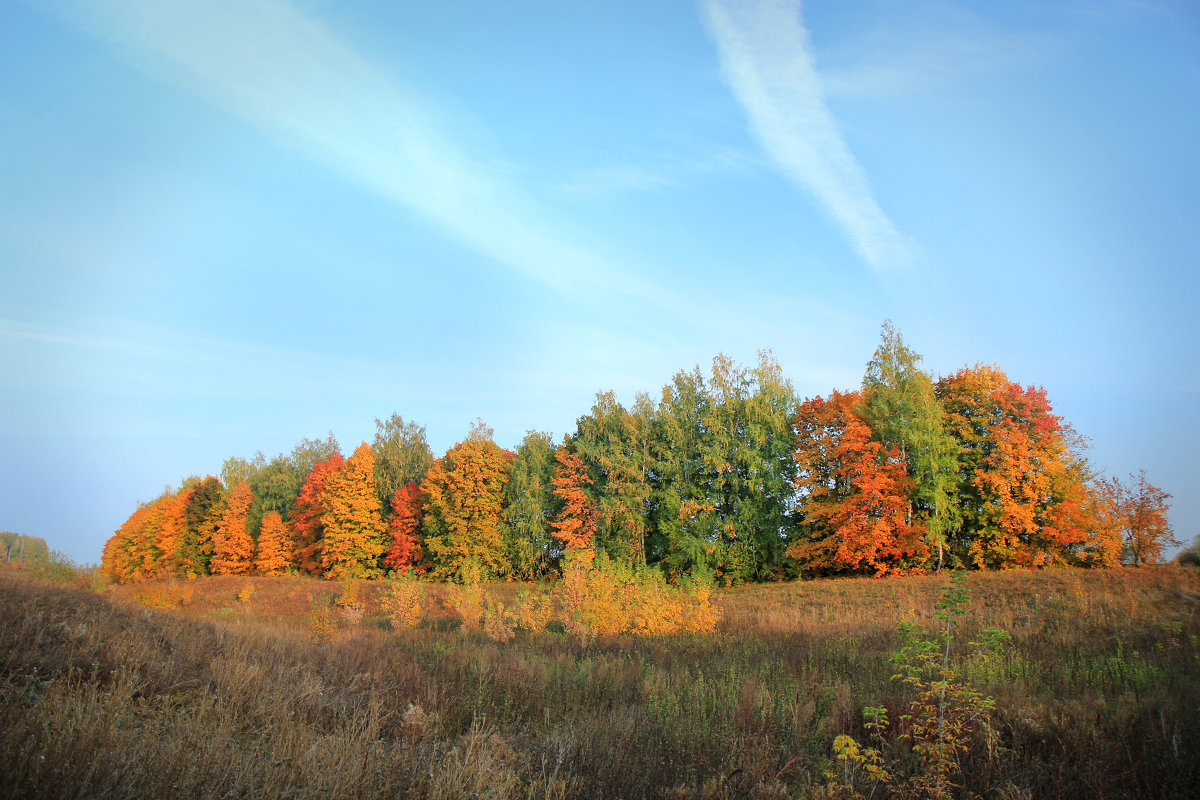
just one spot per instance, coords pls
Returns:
(246, 593)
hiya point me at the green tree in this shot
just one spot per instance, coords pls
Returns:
(747, 454)
(681, 510)
(614, 445)
(203, 514)
(275, 485)
(901, 406)
(17, 548)
(529, 505)
(402, 455)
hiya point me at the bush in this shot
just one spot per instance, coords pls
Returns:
(403, 602)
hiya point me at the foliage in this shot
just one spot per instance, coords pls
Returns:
(853, 506)
(463, 502)
(404, 602)
(534, 610)
(1017, 473)
(233, 549)
(723, 471)
(608, 481)
(529, 506)
(499, 624)
(941, 721)
(17, 549)
(402, 455)
(404, 551)
(308, 512)
(202, 515)
(603, 598)
(576, 523)
(355, 536)
(275, 548)
(902, 409)
(1137, 517)
(466, 599)
(726, 477)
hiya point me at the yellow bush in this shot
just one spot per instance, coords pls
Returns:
(403, 604)
(601, 600)
(534, 611)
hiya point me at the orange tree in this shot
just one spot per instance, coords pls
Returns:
(354, 532)
(853, 495)
(276, 549)
(233, 549)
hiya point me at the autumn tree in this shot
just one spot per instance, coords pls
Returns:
(529, 506)
(1016, 467)
(233, 549)
(575, 525)
(307, 512)
(902, 408)
(276, 483)
(1139, 510)
(463, 502)
(402, 455)
(354, 532)
(135, 550)
(275, 552)
(853, 494)
(404, 550)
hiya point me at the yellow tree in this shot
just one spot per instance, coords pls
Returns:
(355, 534)
(463, 499)
(276, 548)
(233, 549)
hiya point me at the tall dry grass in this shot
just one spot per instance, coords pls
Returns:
(105, 695)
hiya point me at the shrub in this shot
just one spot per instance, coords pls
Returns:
(534, 611)
(403, 602)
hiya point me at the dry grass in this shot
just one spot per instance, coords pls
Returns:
(106, 695)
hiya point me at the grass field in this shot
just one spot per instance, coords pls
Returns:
(213, 689)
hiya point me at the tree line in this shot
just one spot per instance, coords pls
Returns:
(728, 476)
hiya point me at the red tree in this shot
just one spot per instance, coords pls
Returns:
(306, 513)
(405, 551)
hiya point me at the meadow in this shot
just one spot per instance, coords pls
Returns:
(239, 687)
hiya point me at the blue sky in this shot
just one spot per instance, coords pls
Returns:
(226, 226)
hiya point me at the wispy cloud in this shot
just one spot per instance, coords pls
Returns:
(283, 72)
(929, 48)
(767, 60)
(679, 165)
